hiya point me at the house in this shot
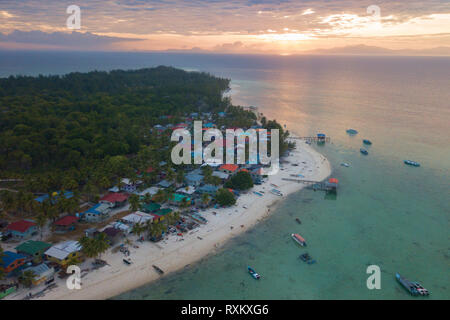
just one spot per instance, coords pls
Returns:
(22, 229)
(97, 213)
(128, 186)
(187, 190)
(179, 199)
(222, 175)
(62, 252)
(150, 207)
(113, 235)
(221, 114)
(126, 229)
(114, 189)
(55, 195)
(137, 217)
(65, 224)
(160, 214)
(91, 232)
(151, 191)
(115, 200)
(165, 184)
(42, 273)
(33, 249)
(257, 175)
(193, 179)
(229, 168)
(12, 262)
(208, 188)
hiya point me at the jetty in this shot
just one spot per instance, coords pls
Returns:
(329, 186)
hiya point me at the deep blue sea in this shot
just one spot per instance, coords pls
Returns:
(385, 213)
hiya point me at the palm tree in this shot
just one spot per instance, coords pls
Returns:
(138, 229)
(134, 202)
(41, 220)
(26, 278)
(88, 247)
(101, 244)
(205, 198)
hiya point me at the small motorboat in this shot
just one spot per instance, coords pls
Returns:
(299, 239)
(159, 270)
(345, 164)
(128, 262)
(368, 142)
(307, 258)
(352, 131)
(298, 220)
(364, 151)
(253, 273)
(276, 192)
(412, 163)
(414, 288)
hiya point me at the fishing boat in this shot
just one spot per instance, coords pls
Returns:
(352, 131)
(199, 218)
(298, 220)
(299, 239)
(345, 164)
(307, 258)
(128, 262)
(412, 163)
(253, 273)
(364, 151)
(276, 192)
(414, 288)
(159, 270)
(368, 142)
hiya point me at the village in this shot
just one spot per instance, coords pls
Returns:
(130, 213)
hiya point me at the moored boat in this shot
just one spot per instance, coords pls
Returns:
(345, 164)
(307, 258)
(276, 192)
(368, 142)
(299, 239)
(414, 288)
(253, 273)
(352, 131)
(412, 163)
(298, 220)
(364, 151)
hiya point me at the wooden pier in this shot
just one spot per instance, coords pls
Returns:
(328, 186)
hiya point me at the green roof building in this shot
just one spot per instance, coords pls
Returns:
(33, 249)
(151, 207)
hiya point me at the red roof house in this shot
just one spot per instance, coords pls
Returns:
(229, 168)
(115, 199)
(66, 223)
(22, 229)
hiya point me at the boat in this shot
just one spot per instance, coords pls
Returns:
(364, 151)
(159, 270)
(352, 131)
(126, 261)
(199, 218)
(276, 192)
(307, 258)
(412, 163)
(368, 142)
(253, 273)
(345, 164)
(299, 239)
(298, 220)
(414, 288)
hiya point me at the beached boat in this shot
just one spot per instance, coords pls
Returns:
(128, 262)
(345, 164)
(364, 151)
(199, 218)
(299, 239)
(307, 258)
(253, 273)
(368, 142)
(412, 163)
(298, 220)
(159, 270)
(276, 192)
(352, 131)
(414, 288)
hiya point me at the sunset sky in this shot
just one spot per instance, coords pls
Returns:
(232, 26)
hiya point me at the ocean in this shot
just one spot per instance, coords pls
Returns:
(385, 213)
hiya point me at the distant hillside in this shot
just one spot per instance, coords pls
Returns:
(373, 50)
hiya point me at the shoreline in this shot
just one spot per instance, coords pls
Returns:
(177, 252)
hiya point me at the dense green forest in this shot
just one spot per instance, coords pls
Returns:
(80, 125)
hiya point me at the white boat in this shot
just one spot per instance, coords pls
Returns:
(345, 164)
(276, 192)
(299, 239)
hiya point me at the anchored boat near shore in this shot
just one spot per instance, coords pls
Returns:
(364, 151)
(414, 288)
(412, 163)
(253, 273)
(299, 239)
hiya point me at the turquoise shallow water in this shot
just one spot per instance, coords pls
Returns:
(385, 213)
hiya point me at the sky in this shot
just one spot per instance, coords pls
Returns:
(225, 26)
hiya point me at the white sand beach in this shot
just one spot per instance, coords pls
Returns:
(175, 252)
